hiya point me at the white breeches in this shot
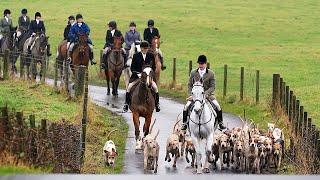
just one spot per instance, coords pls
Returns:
(153, 86)
(215, 102)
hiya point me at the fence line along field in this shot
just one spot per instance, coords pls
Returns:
(270, 36)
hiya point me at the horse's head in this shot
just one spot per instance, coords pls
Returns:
(83, 39)
(147, 76)
(43, 40)
(117, 42)
(198, 96)
(155, 43)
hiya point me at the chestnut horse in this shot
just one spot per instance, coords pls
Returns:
(115, 62)
(80, 53)
(154, 45)
(61, 57)
(142, 102)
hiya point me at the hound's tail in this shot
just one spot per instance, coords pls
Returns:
(177, 121)
(111, 133)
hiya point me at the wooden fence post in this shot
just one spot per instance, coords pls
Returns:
(190, 67)
(21, 67)
(19, 117)
(305, 124)
(276, 90)
(174, 73)
(300, 124)
(66, 75)
(6, 64)
(44, 69)
(283, 96)
(308, 131)
(33, 148)
(287, 99)
(280, 92)
(225, 80)
(257, 86)
(241, 83)
(293, 115)
(297, 117)
(80, 78)
(56, 74)
(290, 106)
(84, 118)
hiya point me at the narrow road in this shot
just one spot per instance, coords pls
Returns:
(165, 122)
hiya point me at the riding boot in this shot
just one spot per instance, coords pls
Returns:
(163, 67)
(48, 50)
(125, 58)
(104, 64)
(93, 62)
(156, 98)
(126, 105)
(220, 120)
(184, 120)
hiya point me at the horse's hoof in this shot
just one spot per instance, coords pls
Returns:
(108, 92)
(174, 166)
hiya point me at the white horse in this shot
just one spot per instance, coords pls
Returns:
(135, 48)
(202, 126)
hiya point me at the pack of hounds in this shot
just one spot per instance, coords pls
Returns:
(243, 149)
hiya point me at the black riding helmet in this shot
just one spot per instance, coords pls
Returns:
(132, 24)
(78, 16)
(24, 11)
(144, 44)
(37, 14)
(6, 11)
(112, 24)
(202, 59)
(150, 22)
(71, 17)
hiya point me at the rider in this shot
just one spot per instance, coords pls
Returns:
(23, 22)
(79, 27)
(131, 36)
(149, 33)
(71, 22)
(37, 26)
(139, 61)
(111, 33)
(5, 24)
(209, 87)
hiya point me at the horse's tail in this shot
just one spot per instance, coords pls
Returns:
(152, 125)
(177, 121)
(110, 133)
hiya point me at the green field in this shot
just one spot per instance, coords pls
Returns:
(45, 103)
(272, 36)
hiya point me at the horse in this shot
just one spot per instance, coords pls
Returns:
(8, 43)
(135, 48)
(155, 44)
(80, 53)
(38, 54)
(142, 103)
(202, 126)
(61, 57)
(115, 62)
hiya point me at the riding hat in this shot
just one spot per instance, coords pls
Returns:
(24, 11)
(202, 59)
(132, 24)
(150, 22)
(37, 14)
(71, 17)
(78, 16)
(112, 24)
(144, 44)
(6, 11)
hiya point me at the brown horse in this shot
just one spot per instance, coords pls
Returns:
(80, 53)
(142, 102)
(154, 45)
(61, 56)
(115, 62)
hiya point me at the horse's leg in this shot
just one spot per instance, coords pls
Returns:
(136, 122)
(146, 125)
(208, 153)
(198, 154)
(108, 82)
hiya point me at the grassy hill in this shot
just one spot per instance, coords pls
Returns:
(272, 36)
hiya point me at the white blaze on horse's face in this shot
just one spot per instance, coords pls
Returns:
(198, 96)
(148, 70)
